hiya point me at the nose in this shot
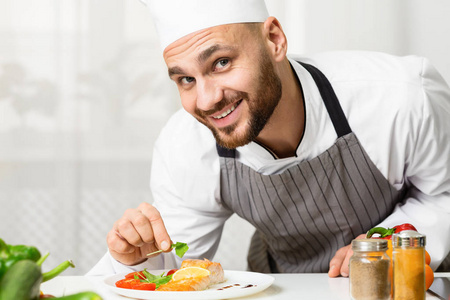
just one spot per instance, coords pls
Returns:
(209, 93)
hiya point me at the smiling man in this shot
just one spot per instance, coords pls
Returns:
(312, 151)
(225, 88)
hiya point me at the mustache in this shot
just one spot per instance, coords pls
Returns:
(230, 99)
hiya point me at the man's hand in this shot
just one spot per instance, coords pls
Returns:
(138, 232)
(339, 263)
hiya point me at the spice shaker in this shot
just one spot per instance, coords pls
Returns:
(409, 265)
(369, 270)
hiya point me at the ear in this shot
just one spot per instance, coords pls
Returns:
(275, 38)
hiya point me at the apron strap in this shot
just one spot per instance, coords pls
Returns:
(225, 152)
(330, 100)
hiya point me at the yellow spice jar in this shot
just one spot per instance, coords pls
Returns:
(409, 265)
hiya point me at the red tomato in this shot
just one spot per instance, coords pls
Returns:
(171, 272)
(127, 283)
(147, 286)
(131, 275)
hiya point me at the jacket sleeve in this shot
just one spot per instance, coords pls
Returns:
(427, 168)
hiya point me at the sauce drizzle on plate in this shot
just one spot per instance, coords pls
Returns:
(236, 285)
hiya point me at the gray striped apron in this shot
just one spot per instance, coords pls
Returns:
(305, 214)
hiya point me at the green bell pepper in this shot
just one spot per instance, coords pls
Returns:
(21, 275)
(24, 278)
(22, 281)
(10, 254)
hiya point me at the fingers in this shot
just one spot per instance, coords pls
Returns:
(138, 232)
(134, 228)
(340, 262)
(159, 234)
(345, 263)
(117, 243)
(121, 250)
(337, 262)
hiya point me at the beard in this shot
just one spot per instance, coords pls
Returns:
(260, 106)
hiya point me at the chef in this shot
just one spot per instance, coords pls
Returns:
(312, 151)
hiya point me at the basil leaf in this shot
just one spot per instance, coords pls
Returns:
(180, 248)
(141, 279)
(150, 276)
(157, 279)
(162, 280)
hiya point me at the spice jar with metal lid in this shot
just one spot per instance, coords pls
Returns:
(409, 265)
(369, 270)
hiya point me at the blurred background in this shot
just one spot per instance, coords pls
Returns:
(84, 93)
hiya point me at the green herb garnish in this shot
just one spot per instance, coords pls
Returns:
(180, 249)
(156, 279)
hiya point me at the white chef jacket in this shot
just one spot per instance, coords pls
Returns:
(398, 107)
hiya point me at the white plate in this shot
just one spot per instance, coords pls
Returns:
(237, 284)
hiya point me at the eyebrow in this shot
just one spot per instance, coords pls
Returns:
(175, 71)
(201, 58)
(205, 54)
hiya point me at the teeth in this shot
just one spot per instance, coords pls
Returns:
(226, 113)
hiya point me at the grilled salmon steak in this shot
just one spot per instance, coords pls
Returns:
(186, 285)
(216, 275)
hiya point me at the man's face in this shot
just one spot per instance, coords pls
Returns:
(226, 80)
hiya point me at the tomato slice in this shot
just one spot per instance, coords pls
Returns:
(127, 283)
(171, 272)
(139, 274)
(147, 286)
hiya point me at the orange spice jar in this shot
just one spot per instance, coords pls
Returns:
(409, 265)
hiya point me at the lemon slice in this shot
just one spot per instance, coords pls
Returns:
(190, 272)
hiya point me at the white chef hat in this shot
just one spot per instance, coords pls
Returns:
(177, 18)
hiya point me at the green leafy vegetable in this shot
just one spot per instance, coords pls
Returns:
(157, 279)
(180, 249)
(162, 280)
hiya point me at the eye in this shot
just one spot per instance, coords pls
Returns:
(222, 63)
(186, 80)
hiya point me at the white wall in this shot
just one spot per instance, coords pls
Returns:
(400, 27)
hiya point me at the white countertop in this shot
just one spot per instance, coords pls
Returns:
(285, 286)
